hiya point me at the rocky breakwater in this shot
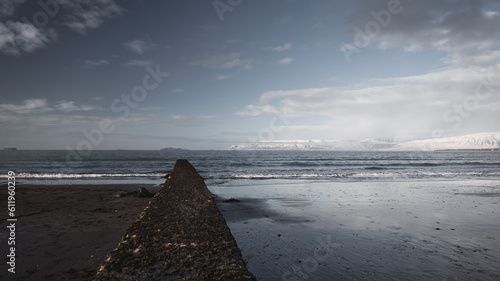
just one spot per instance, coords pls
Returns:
(180, 235)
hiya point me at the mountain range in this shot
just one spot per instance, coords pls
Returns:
(480, 141)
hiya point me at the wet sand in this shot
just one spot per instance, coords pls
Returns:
(413, 230)
(64, 232)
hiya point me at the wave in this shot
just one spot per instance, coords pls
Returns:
(374, 175)
(80, 176)
(374, 168)
(275, 176)
(371, 173)
(361, 163)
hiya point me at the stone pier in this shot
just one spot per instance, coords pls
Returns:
(180, 235)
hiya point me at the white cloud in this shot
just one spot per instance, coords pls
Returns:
(138, 63)
(255, 110)
(17, 37)
(465, 32)
(178, 117)
(8, 7)
(28, 106)
(427, 24)
(33, 122)
(69, 106)
(491, 14)
(79, 15)
(82, 15)
(40, 106)
(221, 77)
(279, 48)
(91, 63)
(224, 61)
(457, 97)
(32, 114)
(139, 46)
(286, 61)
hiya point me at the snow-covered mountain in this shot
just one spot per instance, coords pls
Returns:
(474, 141)
(368, 144)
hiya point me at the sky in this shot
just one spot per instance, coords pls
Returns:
(89, 75)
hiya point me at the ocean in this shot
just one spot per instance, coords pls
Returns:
(51, 167)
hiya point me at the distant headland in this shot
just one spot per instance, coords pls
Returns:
(10, 148)
(173, 149)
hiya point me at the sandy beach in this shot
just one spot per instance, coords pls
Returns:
(286, 229)
(372, 230)
(64, 232)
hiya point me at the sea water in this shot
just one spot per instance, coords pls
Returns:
(146, 166)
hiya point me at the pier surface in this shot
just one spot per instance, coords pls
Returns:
(180, 235)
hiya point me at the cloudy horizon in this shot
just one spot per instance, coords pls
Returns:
(89, 74)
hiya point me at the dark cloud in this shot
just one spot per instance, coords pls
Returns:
(8, 7)
(423, 25)
(17, 36)
(89, 14)
(139, 46)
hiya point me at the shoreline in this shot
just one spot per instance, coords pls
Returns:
(65, 231)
